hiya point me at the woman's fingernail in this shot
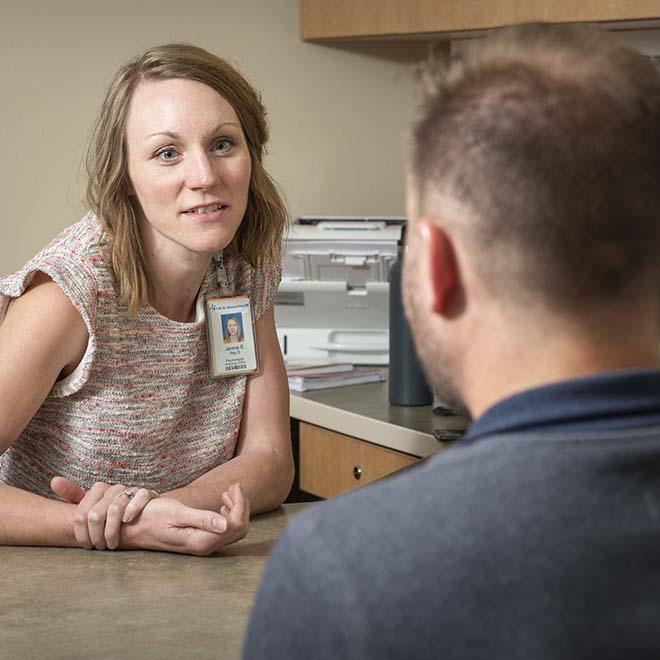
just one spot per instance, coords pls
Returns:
(127, 517)
(219, 523)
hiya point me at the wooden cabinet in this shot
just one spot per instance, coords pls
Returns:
(344, 19)
(332, 463)
(583, 11)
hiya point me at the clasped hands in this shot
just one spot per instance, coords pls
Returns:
(113, 516)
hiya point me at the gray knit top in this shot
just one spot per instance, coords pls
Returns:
(140, 408)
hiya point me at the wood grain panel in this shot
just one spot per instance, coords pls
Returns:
(572, 11)
(328, 460)
(337, 19)
(355, 18)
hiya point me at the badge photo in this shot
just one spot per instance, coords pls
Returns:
(231, 337)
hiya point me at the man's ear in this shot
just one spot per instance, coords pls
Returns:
(443, 267)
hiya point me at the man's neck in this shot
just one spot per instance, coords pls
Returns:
(514, 362)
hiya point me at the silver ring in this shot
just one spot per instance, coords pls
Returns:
(129, 493)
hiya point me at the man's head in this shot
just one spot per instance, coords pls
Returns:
(538, 153)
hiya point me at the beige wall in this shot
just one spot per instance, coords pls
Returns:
(336, 114)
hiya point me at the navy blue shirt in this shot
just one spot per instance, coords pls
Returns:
(535, 537)
(615, 400)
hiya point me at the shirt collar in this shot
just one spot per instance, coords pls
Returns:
(620, 399)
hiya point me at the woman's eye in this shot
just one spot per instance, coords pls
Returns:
(223, 145)
(166, 155)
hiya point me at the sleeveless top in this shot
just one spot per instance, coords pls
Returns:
(140, 408)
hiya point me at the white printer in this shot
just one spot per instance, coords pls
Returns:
(333, 302)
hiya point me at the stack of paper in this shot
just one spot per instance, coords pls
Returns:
(304, 377)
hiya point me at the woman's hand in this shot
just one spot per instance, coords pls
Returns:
(236, 511)
(167, 524)
(151, 522)
(102, 510)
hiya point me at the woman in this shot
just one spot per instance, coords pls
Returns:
(110, 405)
(233, 334)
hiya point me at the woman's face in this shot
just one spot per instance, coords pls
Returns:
(189, 167)
(232, 327)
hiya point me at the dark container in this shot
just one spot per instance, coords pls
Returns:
(407, 384)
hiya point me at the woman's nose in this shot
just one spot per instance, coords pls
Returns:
(201, 173)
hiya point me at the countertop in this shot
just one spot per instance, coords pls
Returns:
(65, 604)
(364, 412)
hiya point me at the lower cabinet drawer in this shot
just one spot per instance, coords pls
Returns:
(332, 463)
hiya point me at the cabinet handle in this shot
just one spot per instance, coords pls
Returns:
(357, 472)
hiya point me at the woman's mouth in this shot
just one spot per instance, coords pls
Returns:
(206, 212)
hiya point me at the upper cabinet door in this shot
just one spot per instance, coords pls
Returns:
(587, 11)
(345, 19)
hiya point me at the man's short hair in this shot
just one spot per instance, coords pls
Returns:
(549, 137)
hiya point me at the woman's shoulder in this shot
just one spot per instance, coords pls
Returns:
(69, 273)
(79, 243)
(259, 281)
(80, 240)
(72, 260)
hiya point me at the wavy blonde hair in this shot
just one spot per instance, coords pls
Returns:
(259, 235)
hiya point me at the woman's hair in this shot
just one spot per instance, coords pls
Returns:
(258, 237)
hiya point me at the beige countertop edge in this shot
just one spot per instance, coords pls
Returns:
(381, 433)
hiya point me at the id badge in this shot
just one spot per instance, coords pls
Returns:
(231, 337)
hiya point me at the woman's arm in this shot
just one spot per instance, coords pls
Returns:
(29, 519)
(263, 464)
(41, 337)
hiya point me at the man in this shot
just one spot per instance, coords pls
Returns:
(532, 281)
